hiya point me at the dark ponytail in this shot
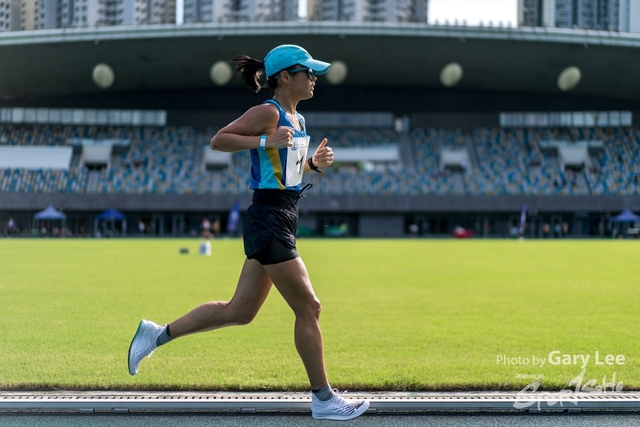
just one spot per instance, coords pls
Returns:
(250, 71)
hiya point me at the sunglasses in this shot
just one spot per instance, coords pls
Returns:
(309, 71)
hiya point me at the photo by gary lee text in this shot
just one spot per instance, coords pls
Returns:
(556, 357)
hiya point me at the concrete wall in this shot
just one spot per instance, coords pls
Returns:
(381, 225)
(314, 204)
(306, 220)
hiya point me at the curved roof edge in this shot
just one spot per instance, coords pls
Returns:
(341, 29)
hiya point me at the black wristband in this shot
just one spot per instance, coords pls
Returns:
(312, 166)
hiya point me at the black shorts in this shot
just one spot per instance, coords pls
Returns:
(270, 226)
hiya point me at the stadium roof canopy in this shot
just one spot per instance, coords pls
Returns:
(152, 58)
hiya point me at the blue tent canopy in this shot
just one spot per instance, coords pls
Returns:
(50, 213)
(626, 216)
(111, 214)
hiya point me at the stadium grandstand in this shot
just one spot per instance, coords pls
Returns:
(433, 127)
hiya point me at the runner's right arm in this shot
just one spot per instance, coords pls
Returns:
(245, 132)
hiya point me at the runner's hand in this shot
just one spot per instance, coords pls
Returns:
(283, 138)
(323, 156)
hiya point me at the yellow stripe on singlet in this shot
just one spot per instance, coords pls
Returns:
(274, 158)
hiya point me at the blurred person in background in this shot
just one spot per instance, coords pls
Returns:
(215, 227)
(205, 225)
(12, 228)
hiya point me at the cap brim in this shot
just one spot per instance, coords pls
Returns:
(318, 67)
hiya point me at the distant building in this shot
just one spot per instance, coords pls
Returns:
(162, 12)
(28, 11)
(5, 15)
(9, 15)
(198, 11)
(608, 15)
(49, 14)
(240, 10)
(368, 10)
(83, 13)
(634, 16)
(536, 13)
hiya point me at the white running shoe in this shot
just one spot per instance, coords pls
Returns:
(143, 344)
(337, 408)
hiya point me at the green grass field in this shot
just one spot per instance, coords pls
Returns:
(397, 314)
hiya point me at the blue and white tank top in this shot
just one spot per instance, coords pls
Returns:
(280, 168)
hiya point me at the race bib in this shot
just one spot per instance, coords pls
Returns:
(296, 157)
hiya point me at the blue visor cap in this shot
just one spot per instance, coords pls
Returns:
(288, 55)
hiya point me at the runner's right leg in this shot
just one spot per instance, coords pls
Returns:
(292, 281)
